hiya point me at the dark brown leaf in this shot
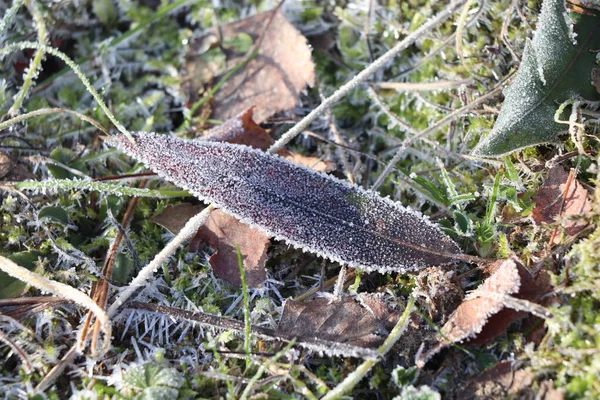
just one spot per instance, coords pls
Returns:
(363, 321)
(241, 129)
(550, 207)
(272, 81)
(310, 210)
(481, 318)
(13, 170)
(223, 233)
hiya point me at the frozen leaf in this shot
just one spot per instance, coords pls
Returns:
(553, 69)
(173, 218)
(224, 233)
(481, 317)
(311, 342)
(309, 210)
(363, 322)
(155, 381)
(271, 81)
(550, 207)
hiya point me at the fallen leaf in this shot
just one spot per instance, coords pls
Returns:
(223, 233)
(309, 210)
(507, 379)
(242, 129)
(173, 218)
(483, 316)
(13, 170)
(271, 81)
(550, 208)
(364, 321)
(504, 379)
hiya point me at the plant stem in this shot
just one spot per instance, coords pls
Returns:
(64, 291)
(263, 367)
(189, 230)
(352, 380)
(246, 306)
(47, 111)
(35, 64)
(365, 73)
(51, 50)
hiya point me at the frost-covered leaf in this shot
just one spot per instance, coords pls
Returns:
(156, 382)
(550, 207)
(553, 69)
(480, 318)
(363, 322)
(311, 342)
(307, 209)
(271, 81)
(226, 234)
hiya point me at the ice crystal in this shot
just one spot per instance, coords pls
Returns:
(309, 210)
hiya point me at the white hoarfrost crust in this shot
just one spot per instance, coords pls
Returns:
(308, 210)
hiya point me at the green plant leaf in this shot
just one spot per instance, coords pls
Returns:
(552, 71)
(57, 214)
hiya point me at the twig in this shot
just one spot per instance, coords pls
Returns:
(51, 50)
(441, 123)
(189, 230)
(365, 73)
(46, 111)
(62, 290)
(423, 86)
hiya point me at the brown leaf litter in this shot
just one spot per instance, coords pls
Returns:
(560, 198)
(364, 321)
(271, 81)
(484, 315)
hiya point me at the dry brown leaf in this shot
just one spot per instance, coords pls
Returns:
(364, 321)
(507, 380)
(242, 129)
(13, 170)
(550, 208)
(173, 218)
(271, 81)
(481, 317)
(223, 233)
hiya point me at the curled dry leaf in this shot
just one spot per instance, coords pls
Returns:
(272, 80)
(311, 211)
(224, 233)
(242, 129)
(364, 321)
(557, 200)
(483, 316)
